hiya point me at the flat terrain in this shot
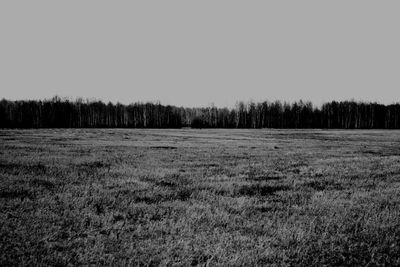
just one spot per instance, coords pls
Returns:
(199, 197)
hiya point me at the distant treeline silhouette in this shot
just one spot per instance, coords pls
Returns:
(64, 113)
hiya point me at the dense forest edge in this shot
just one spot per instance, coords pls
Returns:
(66, 113)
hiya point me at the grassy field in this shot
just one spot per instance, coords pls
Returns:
(199, 197)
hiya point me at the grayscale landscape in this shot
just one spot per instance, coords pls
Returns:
(199, 133)
(200, 197)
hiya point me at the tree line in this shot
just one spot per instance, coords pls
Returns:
(65, 113)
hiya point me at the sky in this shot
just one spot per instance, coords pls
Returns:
(197, 53)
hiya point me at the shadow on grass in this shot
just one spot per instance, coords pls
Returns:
(163, 147)
(159, 196)
(259, 190)
(19, 168)
(93, 165)
(182, 194)
(324, 185)
(42, 183)
(265, 177)
(173, 180)
(16, 193)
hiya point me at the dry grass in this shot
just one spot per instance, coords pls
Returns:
(199, 197)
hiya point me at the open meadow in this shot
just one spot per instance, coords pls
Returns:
(207, 197)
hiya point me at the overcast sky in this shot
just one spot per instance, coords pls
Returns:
(194, 53)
